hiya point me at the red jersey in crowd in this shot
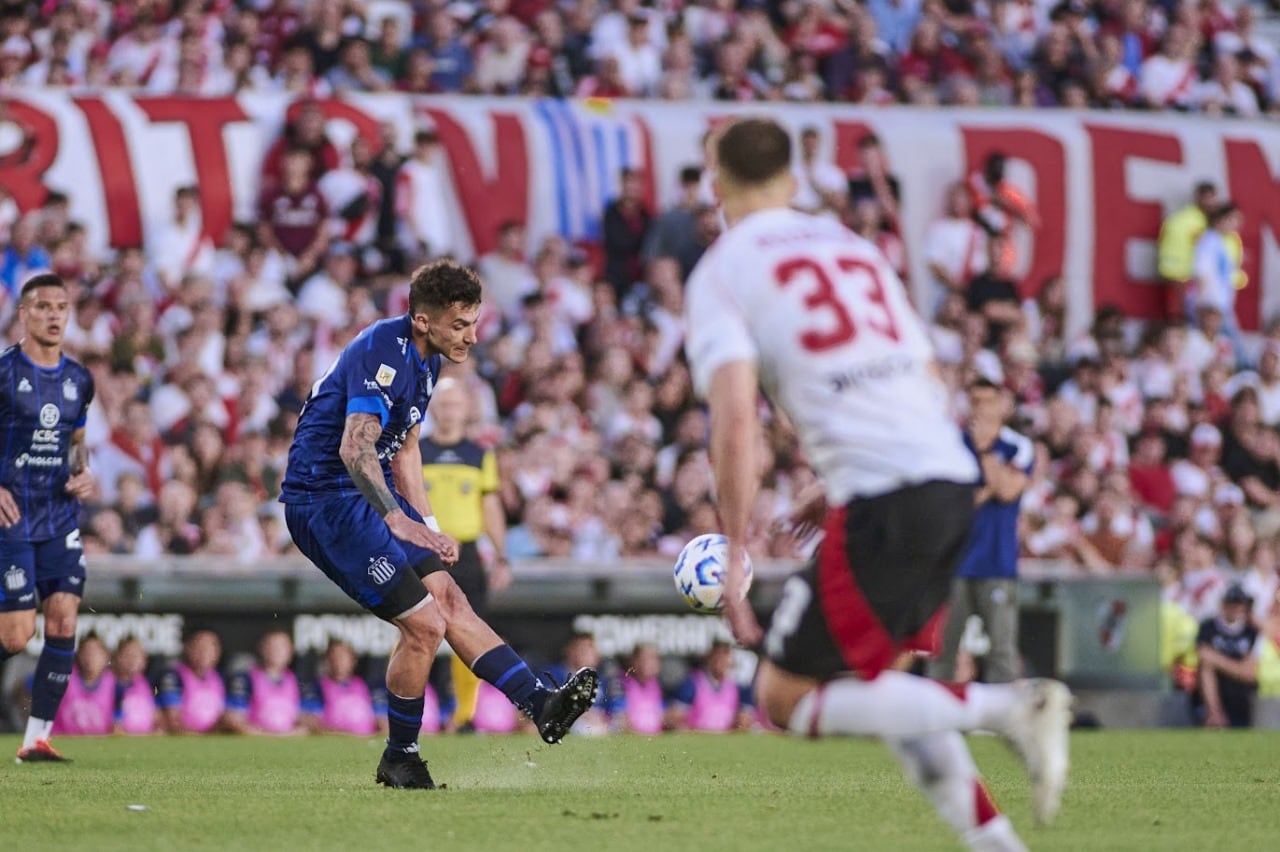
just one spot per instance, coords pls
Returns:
(294, 219)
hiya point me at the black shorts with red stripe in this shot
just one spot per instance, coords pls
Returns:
(878, 585)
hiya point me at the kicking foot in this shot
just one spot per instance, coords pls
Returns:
(1039, 734)
(566, 703)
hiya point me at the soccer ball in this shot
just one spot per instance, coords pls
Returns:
(700, 572)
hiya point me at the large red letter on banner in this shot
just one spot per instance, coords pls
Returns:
(1256, 191)
(205, 120)
(1047, 159)
(119, 189)
(365, 125)
(22, 169)
(1118, 218)
(487, 203)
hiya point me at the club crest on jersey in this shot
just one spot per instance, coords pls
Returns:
(14, 579)
(381, 570)
(50, 415)
(69, 390)
(385, 375)
(24, 386)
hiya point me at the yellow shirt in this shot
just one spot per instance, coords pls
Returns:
(457, 478)
(1268, 668)
(1176, 248)
(1177, 636)
(1235, 250)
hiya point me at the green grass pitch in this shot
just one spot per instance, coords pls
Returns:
(1162, 790)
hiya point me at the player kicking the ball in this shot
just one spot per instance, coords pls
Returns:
(44, 397)
(356, 506)
(814, 312)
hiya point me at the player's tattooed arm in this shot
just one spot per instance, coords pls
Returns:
(359, 452)
(77, 453)
(80, 483)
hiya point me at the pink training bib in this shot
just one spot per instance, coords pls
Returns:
(203, 699)
(348, 707)
(87, 710)
(714, 709)
(276, 704)
(137, 709)
(643, 703)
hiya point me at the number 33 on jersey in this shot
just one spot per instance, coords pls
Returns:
(837, 344)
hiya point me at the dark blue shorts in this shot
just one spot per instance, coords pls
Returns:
(347, 540)
(31, 571)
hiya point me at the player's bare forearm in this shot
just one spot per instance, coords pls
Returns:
(406, 473)
(77, 453)
(733, 446)
(359, 452)
(495, 523)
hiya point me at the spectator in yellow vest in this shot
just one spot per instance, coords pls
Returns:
(1175, 261)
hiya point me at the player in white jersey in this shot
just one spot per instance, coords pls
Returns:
(813, 312)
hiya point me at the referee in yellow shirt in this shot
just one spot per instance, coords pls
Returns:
(462, 481)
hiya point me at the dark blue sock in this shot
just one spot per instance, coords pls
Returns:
(504, 668)
(404, 721)
(52, 675)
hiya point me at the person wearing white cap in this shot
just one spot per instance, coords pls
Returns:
(1195, 475)
(1265, 382)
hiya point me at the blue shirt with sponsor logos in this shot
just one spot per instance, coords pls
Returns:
(992, 549)
(380, 372)
(40, 409)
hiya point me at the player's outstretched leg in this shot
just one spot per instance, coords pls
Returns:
(553, 709)
(1033, 716)
(941, 766)
(401, 765)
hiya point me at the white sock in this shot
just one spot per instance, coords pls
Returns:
(897, 705)
(995, 836)
(941, 766)
(37, 729)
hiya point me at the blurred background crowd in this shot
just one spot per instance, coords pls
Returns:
(1157, 444)
(1202, 55)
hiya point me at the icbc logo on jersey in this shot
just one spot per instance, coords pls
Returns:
(46, 443)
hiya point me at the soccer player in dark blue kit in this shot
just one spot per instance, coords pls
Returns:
(357, 507)
(44, 474)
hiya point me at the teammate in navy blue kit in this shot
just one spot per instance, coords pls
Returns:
(986, 581)
(357, 507)
(44, 474)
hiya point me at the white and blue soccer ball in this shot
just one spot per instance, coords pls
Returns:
(700, 572)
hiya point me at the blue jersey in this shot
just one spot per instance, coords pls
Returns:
(992, 549)
(40, 408)
(380, 372)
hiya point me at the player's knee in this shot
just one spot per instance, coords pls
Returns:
(458, 607)
(60, 626)
(15, 634)
(424, 628)
(777, 694)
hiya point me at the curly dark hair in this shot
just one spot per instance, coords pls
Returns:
(441, 283)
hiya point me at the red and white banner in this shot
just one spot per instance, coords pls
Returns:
(1102, 181)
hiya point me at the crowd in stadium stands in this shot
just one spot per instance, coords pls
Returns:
(1162, 54)
(201, 692)
(1157, 444)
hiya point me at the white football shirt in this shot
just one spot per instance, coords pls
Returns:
(837, 345)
